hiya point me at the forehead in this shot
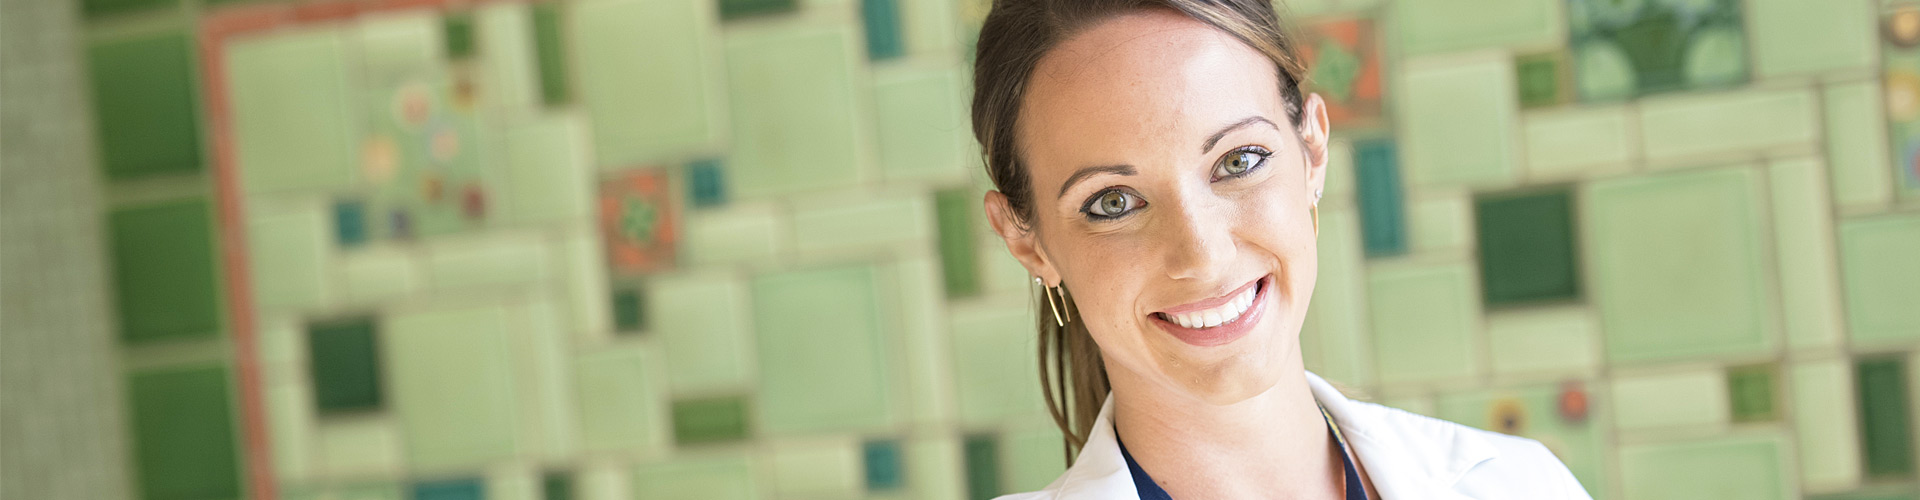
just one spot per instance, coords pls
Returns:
(1141, 88)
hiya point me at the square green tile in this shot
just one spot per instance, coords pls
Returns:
(648, 77)
(293, 121)
(1886, 421)
(1533, 411)
(1527, 244)
(1751, 391)
(1881, 278)
(629, 308)
(556, 486)
(343, 357)
(1743, 467)
(795, 126)
(995, 378)
(621, 403)
(920, 123)
(1457, 118)
(145, 110)
(549, 172)
(185, 444)
(1435, 27)
(735, 9)
(452, 386)
(550, 53)
(457, 27)
(1540, 79)
(1792, 37)
(703, 322)
(1425, 323)
(163, 270)
(727, 477)
(1678, 267)
(710, 420)
(958, 225)
(822, 351)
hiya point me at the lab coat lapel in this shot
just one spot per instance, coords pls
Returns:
(1407, 456)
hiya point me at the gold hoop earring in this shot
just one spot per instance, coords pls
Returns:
(1048, 291)
(1315, 209)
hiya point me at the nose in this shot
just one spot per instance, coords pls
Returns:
(1198, 240)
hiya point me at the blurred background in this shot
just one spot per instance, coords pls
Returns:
(733, 249)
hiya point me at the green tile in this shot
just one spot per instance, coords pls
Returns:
(452, 386)
(702, 320)
(1683, 128)
(1857, 150)
(1425, 323)
(556, 486)
(1580, 142)
(882, 21)
(920, 123)
(1803, 239)
(288, 253)
(983, 467)
(1721, 468)
(363, 446)
(958, 225)
(1381, 199)
(1886, 425)
(1539, 79)
(1562, 340)
(1801, 38)
(1432, 27)
(1034, 458)
(548, 172)
(648, 77)
(735, 9)
(629, 308)
(791, 92)
(881, 460)
(936, 467)
(1751, 391)
(458, 29)
(1457, 116)
(163, 270)
(1881, 277)
(1579, 444)
(398, 49)
(710, 478)
(1440, 223)
(822, 354)
(621, 402)
(506, 57)
(184, 436)
(549, 48)
(1825, 424)
(1678, 267)
(1526, 247)
(144, 106)
(1657, 46)
(294, 127)
(710, 420)
(1694, 397)
(368, 277)
(450, 489)
(1340, 303)
(995, 379)
(864, 223)
(738, 234)
(344, 359)
(815, 469)
(502, 259)
(95, 9)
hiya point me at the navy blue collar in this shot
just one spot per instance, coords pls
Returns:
(1149, 490)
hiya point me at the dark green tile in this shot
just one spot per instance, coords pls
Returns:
(144, 106)
(183, 434)
(551, 52)
(1539, 78)
(163, 268)
(956, 209)
(1751, 391)
(1526, 247)
(882, 18)
(709, 420)
(1383, 226)
(450, 489)
(629, 309)
(95, 9)
(344, 358)
(556, 486)
(983, 466)
(458, 27)
(1886, 429)
(735, 9)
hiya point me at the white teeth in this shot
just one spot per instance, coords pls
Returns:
(1224, 313)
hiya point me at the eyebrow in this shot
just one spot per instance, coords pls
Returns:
(1091, 171)
(1215, 138)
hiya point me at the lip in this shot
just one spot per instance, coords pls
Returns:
(1222, 334)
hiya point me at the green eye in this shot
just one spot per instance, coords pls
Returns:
(1240, 161)
(1112, 203)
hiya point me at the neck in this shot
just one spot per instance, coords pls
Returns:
(1272, 445)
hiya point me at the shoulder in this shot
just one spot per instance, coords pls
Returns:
(1511, 467)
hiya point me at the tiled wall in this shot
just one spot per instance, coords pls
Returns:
(636, 249)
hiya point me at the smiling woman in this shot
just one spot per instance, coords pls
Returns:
(1158, 172)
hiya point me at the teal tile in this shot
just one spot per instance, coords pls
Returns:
(1751, 391)
(959, 266)
(144, 108)
(884, 470)
(450, 489)
(343, 357)
(1433, 27)
(707, 183)
(735, 9)
(710, 420)
(1527, 244)
(163, 270)
(1881, 277)
(1540, 79)
(1425, 323)
(703, 320)
(621, 401)
(1383, 225)
(452, 386)
(822, 353)
(1678, 267)
(791, 92)
(708, 478)
(921, 124)
(1457, 115)
(983, 467)
(549, 48)
(96, 9)
(1805, 38)
(1886, 424)
(1534, 412)
(882, 20)
(1730, 467)
(649, 78)
(293, 123)
(184, 436)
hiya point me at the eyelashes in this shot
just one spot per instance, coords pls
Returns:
(1117, 202)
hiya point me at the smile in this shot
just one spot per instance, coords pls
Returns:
(1218, 320)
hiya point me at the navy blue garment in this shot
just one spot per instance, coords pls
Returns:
(1149, 490)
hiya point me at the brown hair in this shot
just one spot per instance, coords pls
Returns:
(1014, 37)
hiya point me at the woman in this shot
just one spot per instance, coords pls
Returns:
(1158, 172)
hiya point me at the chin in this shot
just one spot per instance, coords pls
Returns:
(1253, 367)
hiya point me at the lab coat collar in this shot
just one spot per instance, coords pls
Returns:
(1407, 456)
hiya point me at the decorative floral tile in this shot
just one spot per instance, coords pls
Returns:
(1343, 58)
(422, 162)
(637, 220)
(1624, 49)
(1902, 68)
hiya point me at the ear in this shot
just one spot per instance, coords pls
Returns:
(1021, 241)
(1315, 137)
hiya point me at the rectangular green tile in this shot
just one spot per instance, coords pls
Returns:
(288, 257)
(1382, 203)
(343, 357)
(1805, 38)
(452, 386)
(507, 60)
(1803, 239)
(716, 478)
(983, 467)
(1526, 242)
(1426, 323)
(144, 105)
(360, 446)
(648, 77)
(822, 351)
(550, 51)
(399, 48)
(1432, 27)
(548, 171)
(1034, 456)
(1824, 423)
(734, 235)
(293, 120)
(1886, 424)
(710, 420)
(1458, 119)
(503, 259)
(1750, 389)
(1682, 128)
(791, 92)
(556, 486)
(994, 380)
(1880, 277)
(184, 436)
(1693, 397)
(1340, 303)
(457, 28)
(163, 271)
(882, 21)
(958, 225)
(1561, 340)
(826, 468)
(702, 320)
(1440, 223)
(865, 223)
(1579, 143)
(630, 308)
(735, 9)
(920, 123)
(1857, 149)
(1743, 467)
(622, 404)
(97, 9)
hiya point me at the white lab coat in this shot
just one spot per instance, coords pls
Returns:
(1408, 457)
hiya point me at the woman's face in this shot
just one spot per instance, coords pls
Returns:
(1171, 198)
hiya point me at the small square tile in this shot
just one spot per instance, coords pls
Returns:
(956, 209)
(882, 18)
(1886, 424)
(638, 221)
(703, 320)
(344, 361)
(1881, 278)
(451, 489)
(983, 466)
(1382, 205)
(556, 486)
(163, 270)
(629, 309)
(735, 9)
(710, 420)
(1526, 243)
(1457, 119)
(707, 179)
(549, 47)
(294, 123)
(1745, 467)
(649, 79)
(1751, 391)
(1426, 323)
(921, 123)
(822, 350)
(144, 106)
(455, 412)
(884, 470)
(1540, 79)
(183, 434)
(621, 400)
(349, 223)
(791, 93)
(458, 29)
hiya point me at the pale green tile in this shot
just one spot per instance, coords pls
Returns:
(920, 304)
(1824, 424)
(1338, 316)
(544, 380)
(822, 351)
(1800, 37)
(729, 477)
(1580, 142)
(795, 120)
(622, 403)
(885, 221)
(1581, 445)
(1882, 277)
(290, 426)
(504, 34)
(1678, 128)
(816, 469)
(647, 75)
(995, 375)
(1857, 151)
(920, 124)
(1803, 243)
(1563, 340)
(1440, 222)
(397, 47)
(375, 275)
(1677, 264)
(1340, 174)
(515, 482)
(1728, 468)
(1032, 457)
(452, 386)
(1425, 322)
(492, 260)
(702, 322)
(1682, 398)
(1430, 27)
(930, 26)
(548, 172)
(583, 262)
(287, 252)
(1457, 117)
(360, 446)
(293, 124)
(934, 468)
(740, 233)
